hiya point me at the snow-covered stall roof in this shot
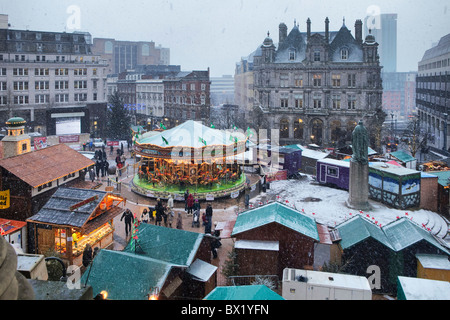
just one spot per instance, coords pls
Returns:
(422, 289)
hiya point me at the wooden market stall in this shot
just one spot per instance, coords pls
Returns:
(73, 218)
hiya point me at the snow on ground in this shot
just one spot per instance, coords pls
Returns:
(331, 209)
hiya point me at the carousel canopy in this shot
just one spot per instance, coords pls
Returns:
(192, 134)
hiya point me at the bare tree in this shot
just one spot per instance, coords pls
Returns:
(416, 138)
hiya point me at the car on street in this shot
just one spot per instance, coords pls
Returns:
(98, 142)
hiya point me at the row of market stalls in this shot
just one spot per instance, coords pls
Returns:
(45, 202)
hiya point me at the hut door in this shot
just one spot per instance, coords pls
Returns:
(46, 240)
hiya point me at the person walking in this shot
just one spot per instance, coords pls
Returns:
(97, 168)
(87, 255)
(145, 216)
(159, 212)
(179, 221)
(170, 218)
(170, 203)
(91, 174)
(128, 220)
(208, 223)
(190, 204)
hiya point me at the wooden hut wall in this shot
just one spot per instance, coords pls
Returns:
(357, 259)
(295, 249)
(257, 262)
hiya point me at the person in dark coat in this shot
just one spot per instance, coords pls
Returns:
(159, 212)
(102, 168)
(97, 168)
(91, 174)
(128, 220)
(87, 255)
(106, 167)
(208, 222)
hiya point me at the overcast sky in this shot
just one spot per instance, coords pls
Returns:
(217, 33)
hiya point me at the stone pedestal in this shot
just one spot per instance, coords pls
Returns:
(359, 186)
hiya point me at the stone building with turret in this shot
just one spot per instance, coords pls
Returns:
(315, 86)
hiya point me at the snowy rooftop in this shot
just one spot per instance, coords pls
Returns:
(423, 289)
(329, 206)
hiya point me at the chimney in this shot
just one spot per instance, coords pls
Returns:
(308, 29)
(358, 31)
(282, 32)
(327, 29)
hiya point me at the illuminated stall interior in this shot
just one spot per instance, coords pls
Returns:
(73, 218)
(190, 156)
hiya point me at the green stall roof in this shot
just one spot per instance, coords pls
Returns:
(166, 244)
(279, 213)
(251, 292)
(124, 275)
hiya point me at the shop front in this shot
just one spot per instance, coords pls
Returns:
(72, 219)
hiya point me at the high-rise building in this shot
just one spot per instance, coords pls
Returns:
(433, 93)
(222, 90)
(126, 55)
(49, 78)
(384, 28)
(316, 87)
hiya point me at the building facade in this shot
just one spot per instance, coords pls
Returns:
(187, 97)
(315, 87)
(222, 90)
(126, 55)
(433, 93)
(399, 94)
(243, 85)
(40, 71)
(384, 28)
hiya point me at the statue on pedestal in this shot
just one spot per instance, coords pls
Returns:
(360, 144)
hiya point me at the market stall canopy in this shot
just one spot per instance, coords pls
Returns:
(279, 213)
(125, 276)
(44, 165)
(250, 292)
(158, 243)
(192, 134)
(62, 209)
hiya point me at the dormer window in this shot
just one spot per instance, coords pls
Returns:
(316, 55)
(291, 55)
(344, 54)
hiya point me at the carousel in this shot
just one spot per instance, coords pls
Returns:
(204, 160)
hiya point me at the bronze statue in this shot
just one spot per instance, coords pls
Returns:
(360, 144)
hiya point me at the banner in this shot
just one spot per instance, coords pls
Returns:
(69, 138)
(4, 199)
(40, 143)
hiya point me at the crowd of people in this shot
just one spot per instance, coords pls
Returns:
(163, 214)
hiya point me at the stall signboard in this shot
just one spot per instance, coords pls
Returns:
(209, 197)
(40, 143)
(4, 199)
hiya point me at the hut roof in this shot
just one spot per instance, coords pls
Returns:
(279, 213)
(251, 292)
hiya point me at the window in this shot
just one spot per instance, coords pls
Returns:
(192, 86)
(351, 100)
(80, 84)
(20, 85)
(41, 98)
(284, 80)
(336, 80)
(336, 101)
(284, 129)
(62, 72)
(284, 101)
(298, 79)
(41, 72)
(291, 54)
(333, 172)
(3, 100)
(317, 101)
(80, 72)
(41, 85)
(3, 86)
(20, 71)
(59, 98)
(298, 101)
(351, 80)
(344, 54)
(20, 99)
(80, 97)
(61, 85)
(203, 87)
(316, 55)
(317, 80)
